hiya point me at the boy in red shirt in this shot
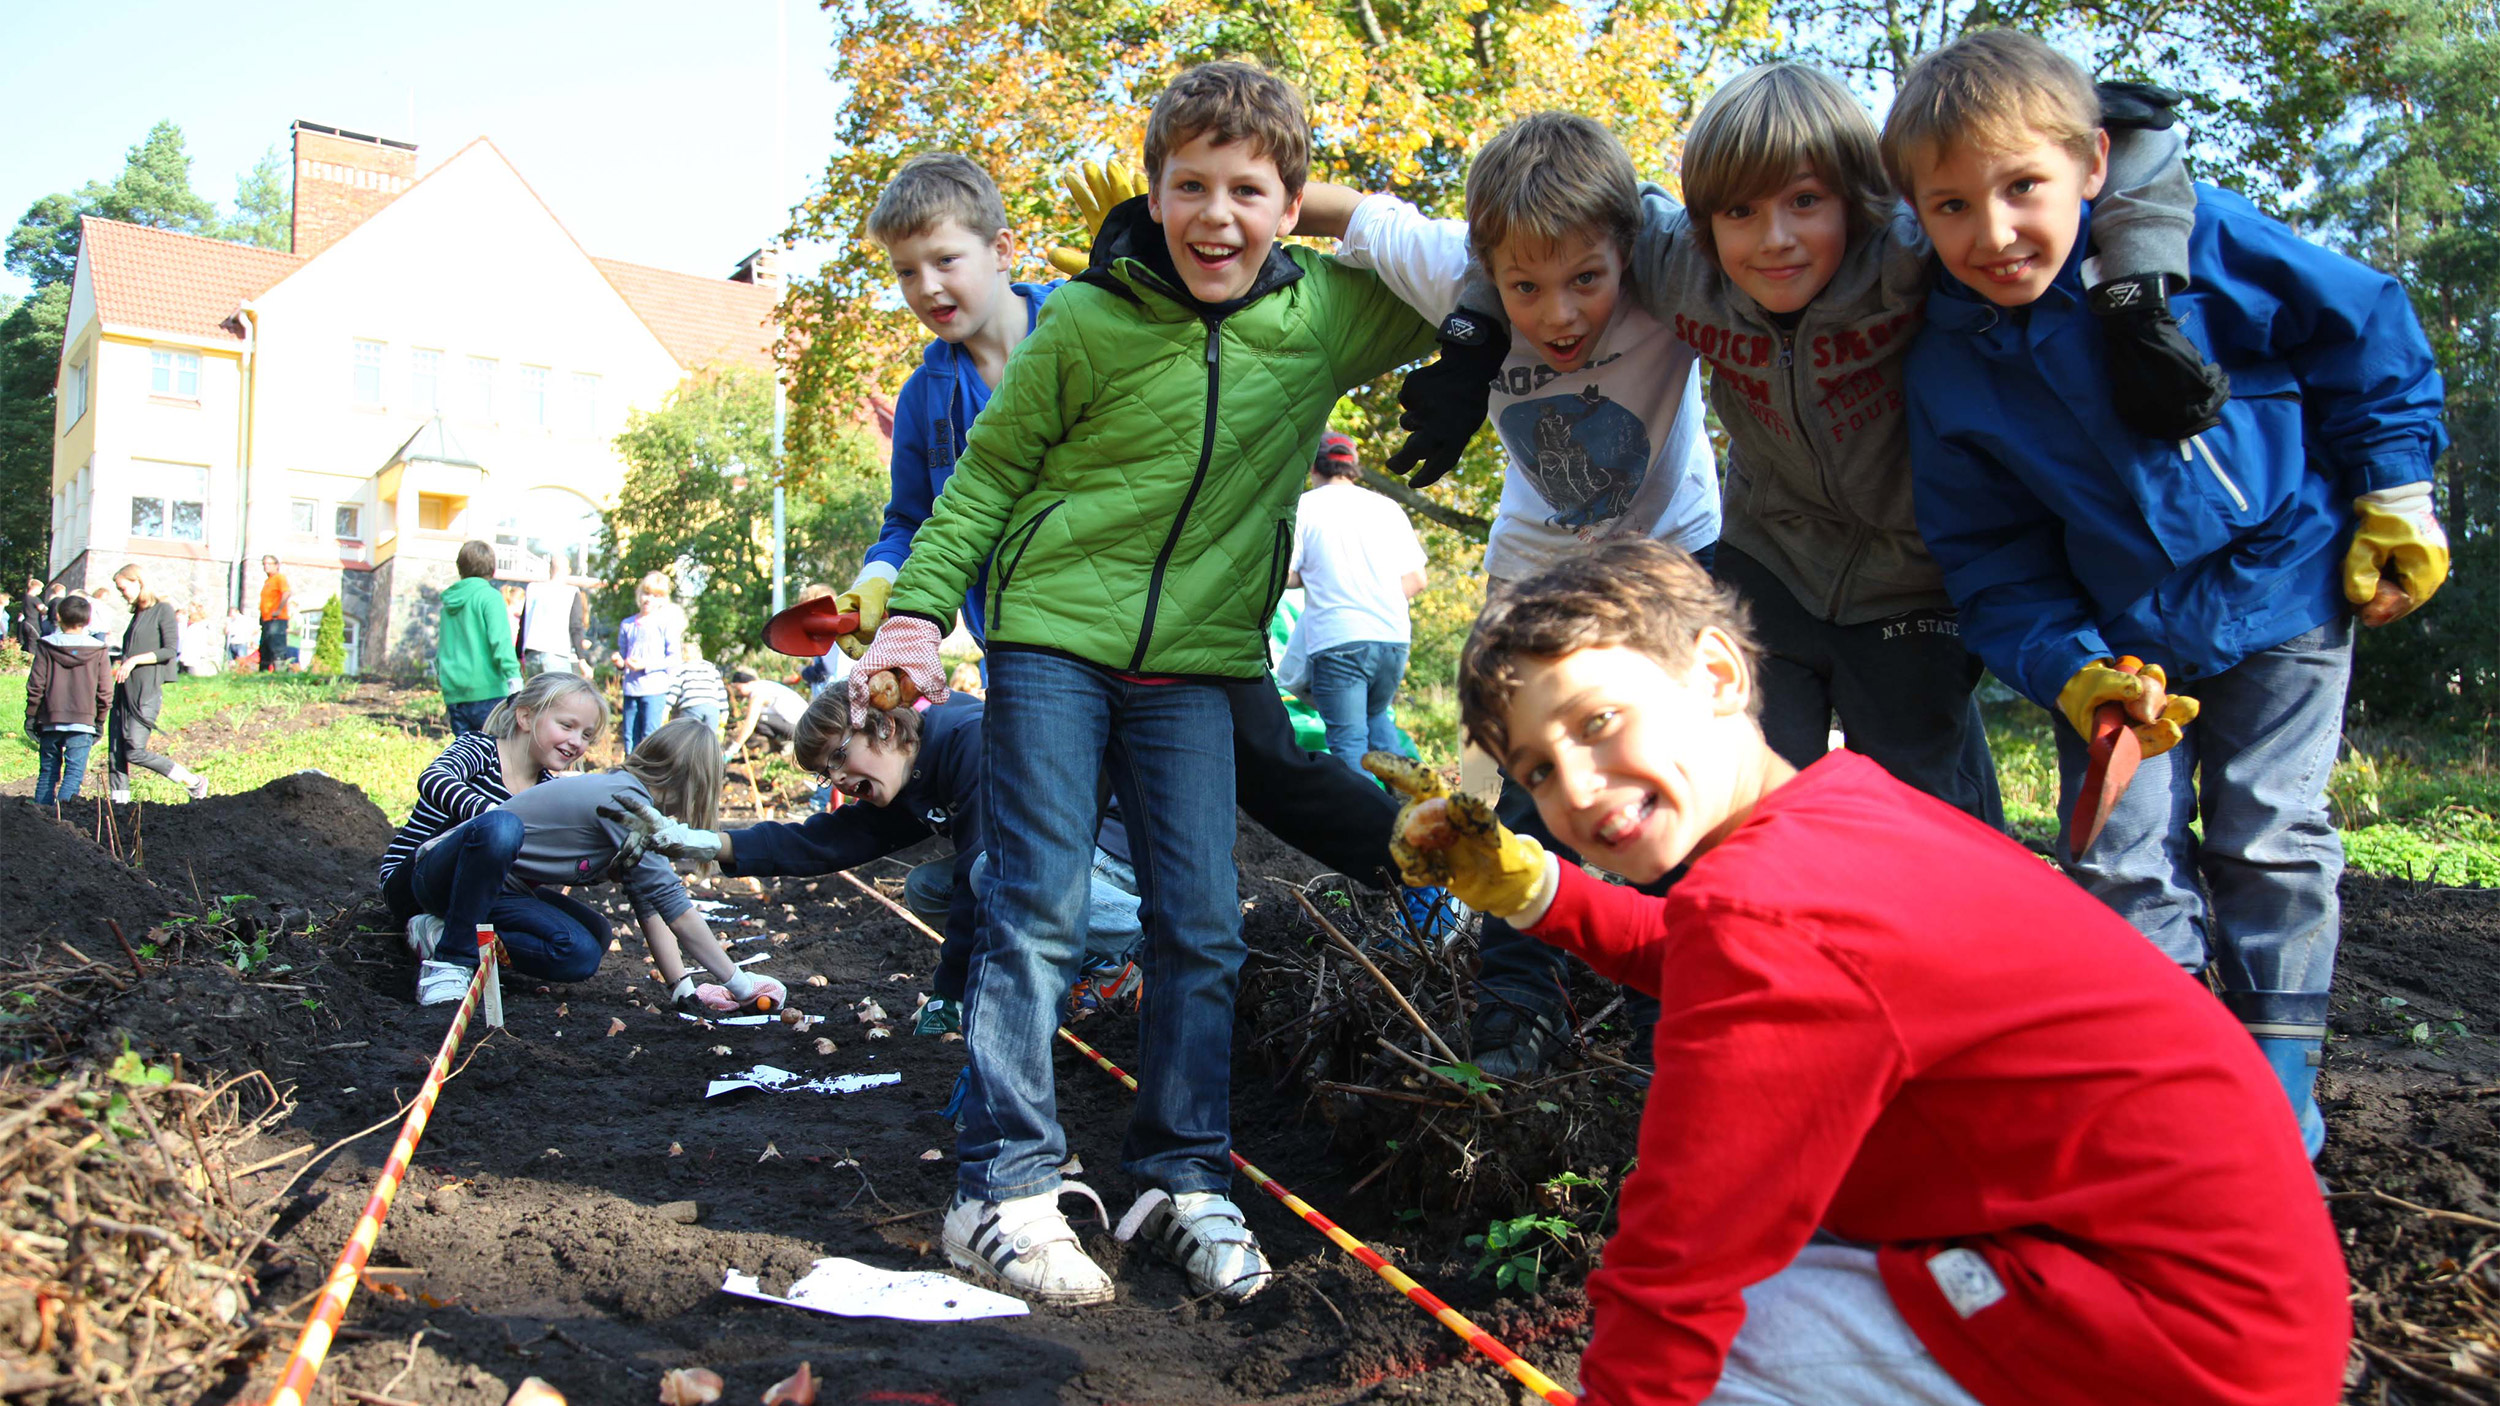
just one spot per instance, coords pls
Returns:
(1929, 1124)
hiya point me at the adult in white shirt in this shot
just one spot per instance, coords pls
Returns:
(773, 710)
(1357, 561)
(554, 618)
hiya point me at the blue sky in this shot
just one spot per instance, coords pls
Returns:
(646, 124)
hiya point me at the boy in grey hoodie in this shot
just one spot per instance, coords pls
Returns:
(69, 695)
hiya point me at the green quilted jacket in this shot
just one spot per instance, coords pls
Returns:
(1133, 480)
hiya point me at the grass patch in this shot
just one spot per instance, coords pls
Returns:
(378, 746)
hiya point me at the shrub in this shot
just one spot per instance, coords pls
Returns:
(330, 639)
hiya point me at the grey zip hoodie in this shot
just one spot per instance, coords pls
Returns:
(568, 842)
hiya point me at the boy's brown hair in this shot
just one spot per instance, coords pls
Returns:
(476, 559)
(1765, 126)
(1998, 90)
(1637, 593)
(931, 189)
(1233, 102)
(1549, 176)
(824, 732)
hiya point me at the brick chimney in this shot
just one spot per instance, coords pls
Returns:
(341, 178)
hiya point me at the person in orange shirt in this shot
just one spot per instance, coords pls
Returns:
(276, 599)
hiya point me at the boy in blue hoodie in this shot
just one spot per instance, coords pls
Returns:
(2232, 561)
(944, 227)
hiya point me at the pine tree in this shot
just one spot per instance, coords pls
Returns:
(330, 639)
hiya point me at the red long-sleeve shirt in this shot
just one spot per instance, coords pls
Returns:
(1883, 1018)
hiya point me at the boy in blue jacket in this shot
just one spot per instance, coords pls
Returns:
(2233, 561)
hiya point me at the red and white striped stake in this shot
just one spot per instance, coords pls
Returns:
(1544, 1386)
(491, 970)
(295, 1381)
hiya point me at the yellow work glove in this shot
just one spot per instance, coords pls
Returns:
(2396, 539)
(1095, 188)
(2101, 681)
(867, 597)
(1455, 842)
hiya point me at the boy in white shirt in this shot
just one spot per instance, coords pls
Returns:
(1357, 561)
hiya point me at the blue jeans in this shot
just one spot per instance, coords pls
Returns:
(1352, 686)
(1056, 728)
(703, 713)
(1113, 933)
(459, 878)
(643, 714)
(470, 716)
(60, 765)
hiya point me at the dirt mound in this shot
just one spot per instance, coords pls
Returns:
(58, 881)
(304, 841)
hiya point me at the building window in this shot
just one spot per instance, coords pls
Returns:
(169, 502)
(306, 511)
(440, 512)
(425, 374)
(348, 523)
(586, 404)
(74, 393)
(368, 373)
(534, 396)
(482, 388)
(174, 373)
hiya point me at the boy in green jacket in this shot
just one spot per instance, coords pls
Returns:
(473, 658)
(1133, 483)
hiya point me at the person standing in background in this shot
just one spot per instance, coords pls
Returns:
(197, 653)
(473, 658)
(240, 635)
(646, 651)
(150, 645)
(31, 624)
(277, 601)
(1357, 561)
(555, 620)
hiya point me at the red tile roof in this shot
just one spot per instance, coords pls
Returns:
(700, 320)
(169, 282)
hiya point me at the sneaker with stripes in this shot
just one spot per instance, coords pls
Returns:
(1202, 1232)
(1025, 1246)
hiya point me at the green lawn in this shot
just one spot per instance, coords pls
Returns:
(380, 745)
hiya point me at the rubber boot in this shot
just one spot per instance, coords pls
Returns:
(2295, 1059)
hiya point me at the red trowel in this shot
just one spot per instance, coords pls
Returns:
(2115, 754)
(808, 630)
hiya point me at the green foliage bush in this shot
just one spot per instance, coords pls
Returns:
(330, 639)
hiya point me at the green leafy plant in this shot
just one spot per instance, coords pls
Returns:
(1468, 1077)
(1516, 1250)
(330, 639)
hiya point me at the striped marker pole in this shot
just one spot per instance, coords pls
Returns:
(321, 1325)
(1544, 1386)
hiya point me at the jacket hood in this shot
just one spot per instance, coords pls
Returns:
(1131, 236)
(470, 593)
(66, 648)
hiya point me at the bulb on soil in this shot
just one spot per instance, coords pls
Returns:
(690, 1386)
(797, 1389)
(534, 1392)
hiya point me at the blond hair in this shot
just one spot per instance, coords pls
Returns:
(1996, 90)
(1547, 177)
(930, 190)
(680, 765)
(824, 732)
(1233, 102)
(654, 586)
(540, 694)
(1771, 122)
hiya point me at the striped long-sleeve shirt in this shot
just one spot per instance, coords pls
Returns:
(699, 686)
(466, 780)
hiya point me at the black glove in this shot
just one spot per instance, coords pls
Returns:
(2160, 383)
(2143, 106)
(1443, 404)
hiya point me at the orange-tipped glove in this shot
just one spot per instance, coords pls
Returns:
(1455, 842)
(2101, 681)
(866, 599)
(2396, 540)
(1095, 188)
(908, 646)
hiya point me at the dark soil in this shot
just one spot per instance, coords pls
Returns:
(540, 1233)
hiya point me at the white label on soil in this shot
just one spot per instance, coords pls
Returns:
(854, 1290)
(765, 1076)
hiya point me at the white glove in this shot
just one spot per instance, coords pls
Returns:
(657, 832)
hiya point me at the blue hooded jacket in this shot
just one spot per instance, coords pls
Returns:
(931, 418)
(2065, 537)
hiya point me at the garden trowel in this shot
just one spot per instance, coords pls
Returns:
(808, 630)
(2114, 756)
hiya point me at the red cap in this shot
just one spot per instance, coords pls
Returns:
(1335, 448)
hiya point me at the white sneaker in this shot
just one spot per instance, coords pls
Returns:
(425, 934)
(442, 983)
(1203, 1233)
(1025, 1246)
(121, 798)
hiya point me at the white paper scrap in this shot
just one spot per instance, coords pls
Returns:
(853, 1290)
(758, 957)
(731, 1019)
(782, 1081)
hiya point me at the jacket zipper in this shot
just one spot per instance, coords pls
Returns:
(1206, 456)
(1275, 582)
(2238, 499)
(1822, 471)
(998, 594)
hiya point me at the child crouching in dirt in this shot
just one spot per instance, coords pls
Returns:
(914, 773)
(501, 867)
(1911, 1139)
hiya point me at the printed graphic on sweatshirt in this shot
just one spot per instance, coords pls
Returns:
(1585, 454)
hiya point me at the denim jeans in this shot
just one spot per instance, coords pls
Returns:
(1352, 686)
(60, 765)
(1112, 930)
(642, 716)
(1056, 728)
(272, 645)
(459, 878)
(703, 713)
(470, 716)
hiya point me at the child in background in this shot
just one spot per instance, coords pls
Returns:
(196, 651)
(698, 693)
(150, 645)
(773, 710)
(646, 653)
(473, 658)
(2233, 560)
(537, 734)
(1929, 1125)
(504, 866)
(69, 696)
(240, 635)
(1135, 476)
